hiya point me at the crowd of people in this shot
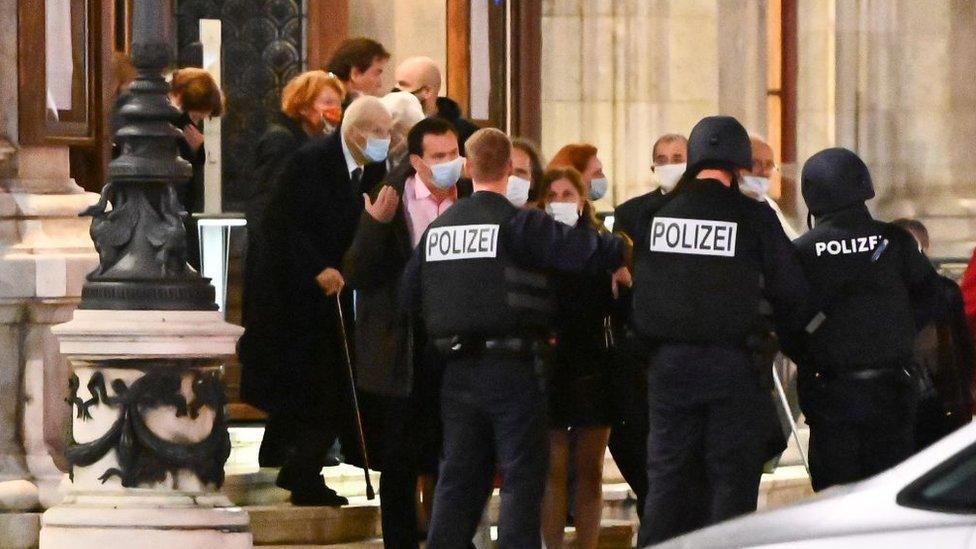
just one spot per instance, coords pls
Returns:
(501, 334)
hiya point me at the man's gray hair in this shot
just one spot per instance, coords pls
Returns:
(667, 138)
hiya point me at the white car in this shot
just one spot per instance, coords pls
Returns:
(928, 501)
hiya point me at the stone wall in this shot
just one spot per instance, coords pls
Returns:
(405, 27)
(893, 81)
(907, 104)
(618, 74)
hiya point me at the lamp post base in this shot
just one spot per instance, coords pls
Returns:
(120, 522)
(149, 437)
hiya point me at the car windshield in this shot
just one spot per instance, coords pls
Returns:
(950, 487)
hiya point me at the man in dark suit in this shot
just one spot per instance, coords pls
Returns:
(398, 373)
(310, 224)
(628, 439)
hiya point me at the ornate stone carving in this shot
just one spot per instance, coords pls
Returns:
(144, 457)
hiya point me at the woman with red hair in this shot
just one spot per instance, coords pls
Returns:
(583, 157)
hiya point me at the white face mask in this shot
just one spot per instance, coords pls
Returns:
(446, 174)
(564, 212)
(754, 187)
(517, 191)
(598, 187)
(668, 175)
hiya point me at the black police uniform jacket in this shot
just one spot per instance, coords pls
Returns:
(871, 308)
(481, 268)
(710, 254)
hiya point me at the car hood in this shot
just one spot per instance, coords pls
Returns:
(868, 506)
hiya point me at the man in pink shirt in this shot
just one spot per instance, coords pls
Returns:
(423, 198)
(397, 372)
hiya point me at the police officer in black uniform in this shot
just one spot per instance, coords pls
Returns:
(479, 279)
(712, 254)
(872, 288)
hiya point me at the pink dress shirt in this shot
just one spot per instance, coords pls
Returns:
(421, 207)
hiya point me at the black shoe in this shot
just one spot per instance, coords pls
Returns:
(319, 496)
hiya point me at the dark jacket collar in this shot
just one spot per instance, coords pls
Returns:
(290, 124)
(857, 213)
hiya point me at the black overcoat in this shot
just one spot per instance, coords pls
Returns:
(309, 224)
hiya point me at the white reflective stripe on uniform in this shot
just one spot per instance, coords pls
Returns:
(693, 236)
(462, 242)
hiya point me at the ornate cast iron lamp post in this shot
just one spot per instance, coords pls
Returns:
(149, 437)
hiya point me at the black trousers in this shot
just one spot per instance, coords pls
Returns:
(628, 446)
(493, 409)
(398, 509)
(628, 437)
(404, 435)
(706, 441)
(858, 428)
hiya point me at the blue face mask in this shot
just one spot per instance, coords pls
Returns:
(598, 187)
(376, 149)
(446, 174)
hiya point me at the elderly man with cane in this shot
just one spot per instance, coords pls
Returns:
(311, 221)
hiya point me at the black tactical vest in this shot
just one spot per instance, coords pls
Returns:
(471, 285)
(868, 311)
(698, 279)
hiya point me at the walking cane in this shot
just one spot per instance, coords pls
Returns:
(370, 493)
(789, 415)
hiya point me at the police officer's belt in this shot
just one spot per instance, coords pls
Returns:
(471, 345)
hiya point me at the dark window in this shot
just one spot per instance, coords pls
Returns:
(949, 488)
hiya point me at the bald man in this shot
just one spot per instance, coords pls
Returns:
(422, 77)
(311, 221)
(763, 182)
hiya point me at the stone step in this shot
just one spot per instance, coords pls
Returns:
(287, 525)
(614, 534)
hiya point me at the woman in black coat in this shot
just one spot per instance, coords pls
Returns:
(196, 94)
(580, 412)
(309, 105)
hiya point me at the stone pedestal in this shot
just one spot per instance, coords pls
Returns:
(149, 437)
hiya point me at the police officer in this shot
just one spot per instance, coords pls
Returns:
(479, 278)
(628, 438)
(873, 288)
(712, 254)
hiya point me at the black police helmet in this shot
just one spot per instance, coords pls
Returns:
(834, 179)
(719, 142)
